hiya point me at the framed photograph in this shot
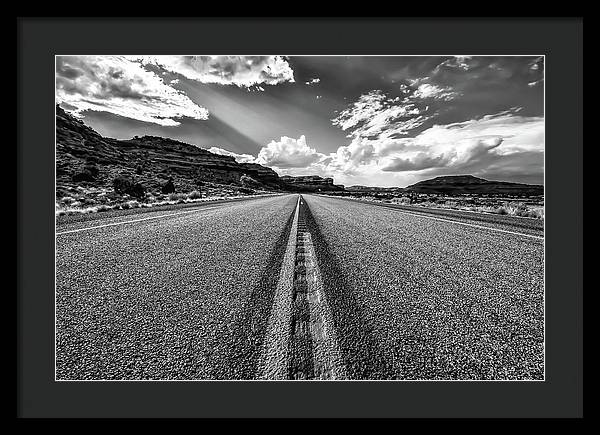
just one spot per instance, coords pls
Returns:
(221, 226)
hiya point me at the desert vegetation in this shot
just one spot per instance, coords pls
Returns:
(127, 193)
(522, 206)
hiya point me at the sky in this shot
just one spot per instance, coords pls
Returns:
(363, 120)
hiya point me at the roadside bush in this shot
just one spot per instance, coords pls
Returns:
(85, 175)
(124, 185)
(520, 209)
(92, 169)
(177, 197)
(169, 187)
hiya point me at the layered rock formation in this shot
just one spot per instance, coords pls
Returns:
(84, 157)
(312, 183)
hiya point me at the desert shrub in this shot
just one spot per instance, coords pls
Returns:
(537, 212)
(124, 185)
(139, 169)
(519, 209)
(176, 197)
(103, 208)
(169, 187)
(248, 181)
(195, 195)
(84, 175)
(124, 206)
(246, 190)
(92, 169)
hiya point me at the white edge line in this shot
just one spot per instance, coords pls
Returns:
(470, 225)
(424, 215)
(134, 220)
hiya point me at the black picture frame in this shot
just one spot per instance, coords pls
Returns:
(560, 40)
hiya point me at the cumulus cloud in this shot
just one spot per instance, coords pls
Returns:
(242, 71)
(419, 162)
(464, 63)
(487, 146)
(445, 155)
(382, 135)
(240, 158)
(376, 114)
(288, 153)
(477, 146)
(427, 90)
(115, 84)
(462, 145)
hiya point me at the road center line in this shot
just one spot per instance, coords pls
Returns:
(273, 364)
(301, 341)
(133, 221)
(327, 361)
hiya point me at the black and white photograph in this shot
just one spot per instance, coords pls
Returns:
(299, 217)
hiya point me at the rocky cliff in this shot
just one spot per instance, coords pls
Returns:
(85, 158)
(312, 183)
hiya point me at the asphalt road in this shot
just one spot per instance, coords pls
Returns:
(417, 297)
(184, 296)
(187, 293)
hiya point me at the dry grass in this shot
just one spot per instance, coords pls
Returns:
(510, 208)
(78, 207)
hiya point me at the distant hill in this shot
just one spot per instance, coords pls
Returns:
(465, 184)
(359, 188)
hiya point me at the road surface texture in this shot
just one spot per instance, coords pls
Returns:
(416, 297)
(534, 227)
(317, 288)
(177, 297)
